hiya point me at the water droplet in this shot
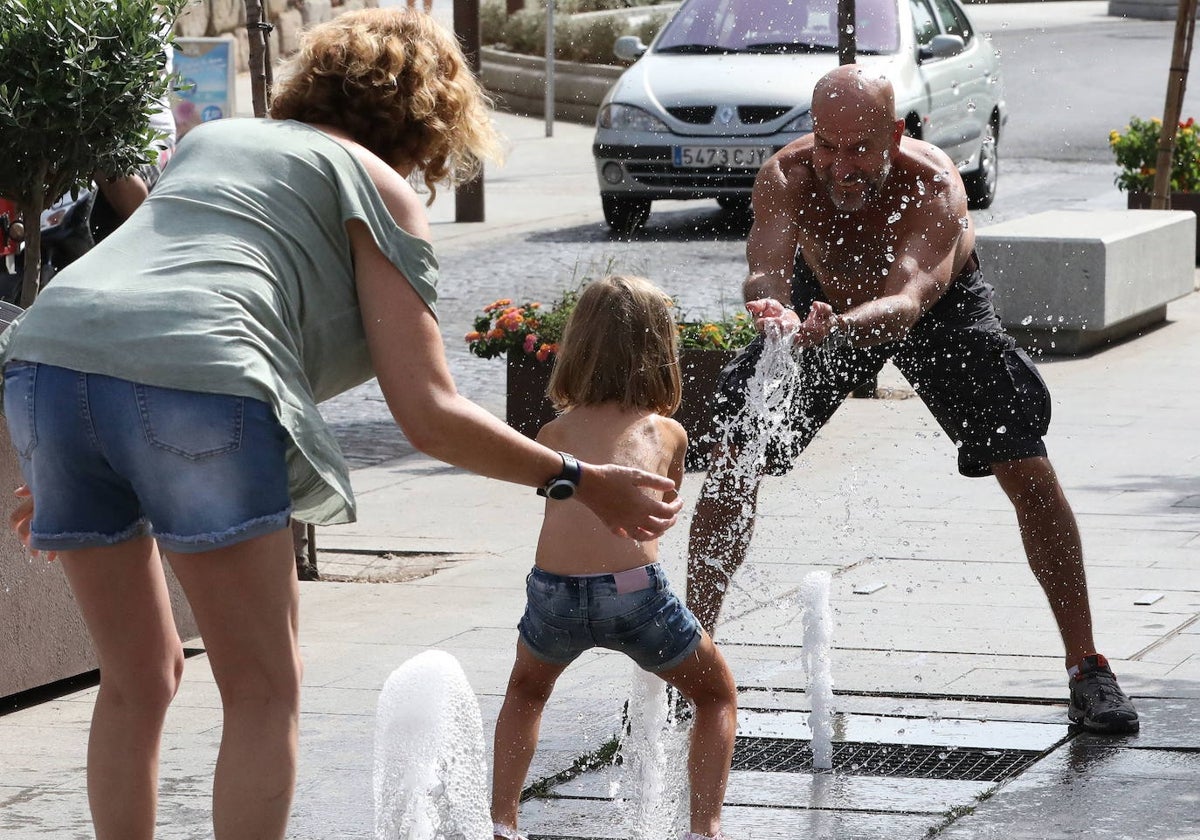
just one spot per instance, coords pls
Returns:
(971, 107)
(1001, 429)
(849, 29)
(1027, 320)
(892, 219)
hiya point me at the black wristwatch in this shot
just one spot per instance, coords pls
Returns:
(563, 485)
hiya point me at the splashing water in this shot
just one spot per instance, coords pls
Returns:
(430, 772)
(818, 632)
(765, 421)
(654, 759)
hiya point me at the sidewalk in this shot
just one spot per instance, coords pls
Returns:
(954, 655)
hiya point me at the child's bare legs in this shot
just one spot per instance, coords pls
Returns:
(707, 682)
(517, 727)
(123, 597)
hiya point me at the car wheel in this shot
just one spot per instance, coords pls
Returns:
(737, 204)
(981, 184)
(625, 215)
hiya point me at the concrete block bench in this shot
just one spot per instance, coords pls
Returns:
(1069, 281)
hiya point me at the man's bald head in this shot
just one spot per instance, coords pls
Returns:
(855, 135)
(856, 92)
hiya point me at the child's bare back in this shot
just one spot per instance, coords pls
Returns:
(573, 541)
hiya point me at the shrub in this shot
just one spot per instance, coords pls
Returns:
(1136, 150)
(577, 37)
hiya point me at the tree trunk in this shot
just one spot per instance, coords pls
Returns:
(1185, 25)
(31, 214)
(847, 36)
(257, 37)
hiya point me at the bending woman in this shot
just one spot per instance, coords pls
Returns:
(164, 388)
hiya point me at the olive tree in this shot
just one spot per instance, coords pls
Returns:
(79, 80)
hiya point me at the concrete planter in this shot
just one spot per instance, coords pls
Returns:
(42, 637)
(518, 82)
(527, 408)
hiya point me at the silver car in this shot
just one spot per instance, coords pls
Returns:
(727, 83)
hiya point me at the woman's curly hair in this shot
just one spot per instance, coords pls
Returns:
(396, 81)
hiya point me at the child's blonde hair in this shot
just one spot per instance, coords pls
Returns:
(619, 345)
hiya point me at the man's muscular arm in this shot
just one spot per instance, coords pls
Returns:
(782, 184)
(771, 245)
(927, 250)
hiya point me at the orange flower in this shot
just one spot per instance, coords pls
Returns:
(474, 335)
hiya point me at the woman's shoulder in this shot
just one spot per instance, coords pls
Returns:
(393, 188)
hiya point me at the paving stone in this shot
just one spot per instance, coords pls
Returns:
(577, 818)
(1096, 792)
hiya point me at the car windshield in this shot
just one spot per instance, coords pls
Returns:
(776, 26)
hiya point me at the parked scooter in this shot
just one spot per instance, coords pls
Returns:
(66, 236)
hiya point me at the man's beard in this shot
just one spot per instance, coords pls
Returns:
(857, 199)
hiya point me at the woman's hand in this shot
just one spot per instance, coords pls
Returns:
(22, 517)
(619, 497)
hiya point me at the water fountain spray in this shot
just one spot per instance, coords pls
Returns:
(430, 770)
(818, 632)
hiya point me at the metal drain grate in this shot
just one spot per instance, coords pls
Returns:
(913, 761)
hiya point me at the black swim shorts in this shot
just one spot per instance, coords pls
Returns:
(983, 390)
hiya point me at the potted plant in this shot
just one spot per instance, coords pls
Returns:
(527, 335)
(1136, 151)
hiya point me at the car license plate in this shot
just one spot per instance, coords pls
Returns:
(732, 157)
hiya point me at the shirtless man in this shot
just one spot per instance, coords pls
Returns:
(862, 242)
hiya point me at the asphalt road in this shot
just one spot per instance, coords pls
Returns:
(1071, 75)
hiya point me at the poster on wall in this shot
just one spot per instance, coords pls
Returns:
(205, 81)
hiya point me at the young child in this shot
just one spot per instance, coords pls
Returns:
(616, 379)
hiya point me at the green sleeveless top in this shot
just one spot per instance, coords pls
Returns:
(236, 277)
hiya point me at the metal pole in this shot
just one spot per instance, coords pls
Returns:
(549, 104)
(847, 36)
(468, 197)
(1185, 25)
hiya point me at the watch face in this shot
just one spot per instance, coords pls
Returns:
(560, 490)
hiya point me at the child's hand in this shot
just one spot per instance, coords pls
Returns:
(22, 517)
(616, 496)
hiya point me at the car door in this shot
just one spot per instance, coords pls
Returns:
(967, 108)
(942, 80)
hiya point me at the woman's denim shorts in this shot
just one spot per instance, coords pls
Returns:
(633, 612)
(108, 460)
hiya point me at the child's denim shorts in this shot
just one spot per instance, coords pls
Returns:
(108, 460)
(633, 612)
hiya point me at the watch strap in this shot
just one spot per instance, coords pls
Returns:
(570, 473)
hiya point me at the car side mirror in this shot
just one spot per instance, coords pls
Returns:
(942, 46)
(629, 48)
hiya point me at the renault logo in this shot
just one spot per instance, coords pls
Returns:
(725, 115)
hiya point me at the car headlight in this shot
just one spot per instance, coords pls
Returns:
(802, 123)
(619, 116)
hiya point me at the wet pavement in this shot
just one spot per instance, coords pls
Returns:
(949, 687)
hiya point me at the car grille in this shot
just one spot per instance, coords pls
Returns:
(758, 114)
(694, 114)
(748, 114)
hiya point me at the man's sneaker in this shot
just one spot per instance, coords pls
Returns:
(1097, 703)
